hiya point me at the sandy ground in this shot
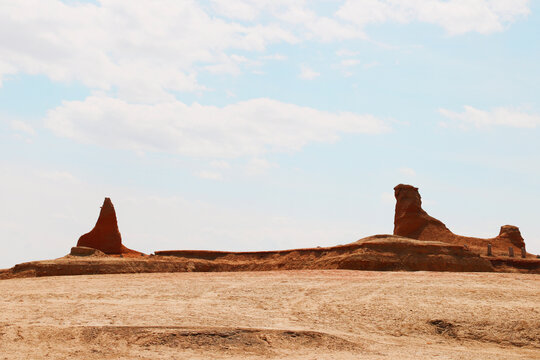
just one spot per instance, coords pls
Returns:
(327, 314)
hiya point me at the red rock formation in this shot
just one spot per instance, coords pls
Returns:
(412, 221)
(105, 236)
(512, 235)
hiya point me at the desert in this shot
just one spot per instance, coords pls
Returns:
(307, 314)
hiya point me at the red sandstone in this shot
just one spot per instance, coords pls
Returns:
(105, 235)
(423, 243)
(413, 222)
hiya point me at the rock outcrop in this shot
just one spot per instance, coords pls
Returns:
(105, 236)
(379, 252)
(420, 243)
(85, 251)
(412, 221)
(511, 234)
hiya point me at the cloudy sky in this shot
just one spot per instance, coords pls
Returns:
(264, 124)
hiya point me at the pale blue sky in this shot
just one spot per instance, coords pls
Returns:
(255, 124)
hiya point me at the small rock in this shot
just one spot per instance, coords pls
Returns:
(84, 251)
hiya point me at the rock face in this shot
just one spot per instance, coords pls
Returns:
(412, 221)
(105, 236)
(377, 253)
(511, 234)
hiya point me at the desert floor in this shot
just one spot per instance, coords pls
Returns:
(329, 314)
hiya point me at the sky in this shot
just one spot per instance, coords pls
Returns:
(264, 124)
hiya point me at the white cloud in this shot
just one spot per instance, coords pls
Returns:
(247, 128)
(146, 51)
(6, 69)
(231, 65)
(257, 166)
(455, 16)
(22, 126)
(497, 117)
(237, 9)
(349, 62)
(307, 73)
(327, 30)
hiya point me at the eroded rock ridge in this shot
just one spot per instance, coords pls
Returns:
(411, 221)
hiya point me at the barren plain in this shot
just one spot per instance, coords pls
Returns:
(313, 314)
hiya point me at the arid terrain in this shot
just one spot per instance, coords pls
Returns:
(478, 302)
(316, 314)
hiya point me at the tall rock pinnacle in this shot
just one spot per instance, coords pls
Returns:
(105, 235)
(411, 221)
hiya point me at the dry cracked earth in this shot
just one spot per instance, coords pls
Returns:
(314, 314)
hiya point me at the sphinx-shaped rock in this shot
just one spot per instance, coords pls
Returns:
(105, 236)
(412, 221)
